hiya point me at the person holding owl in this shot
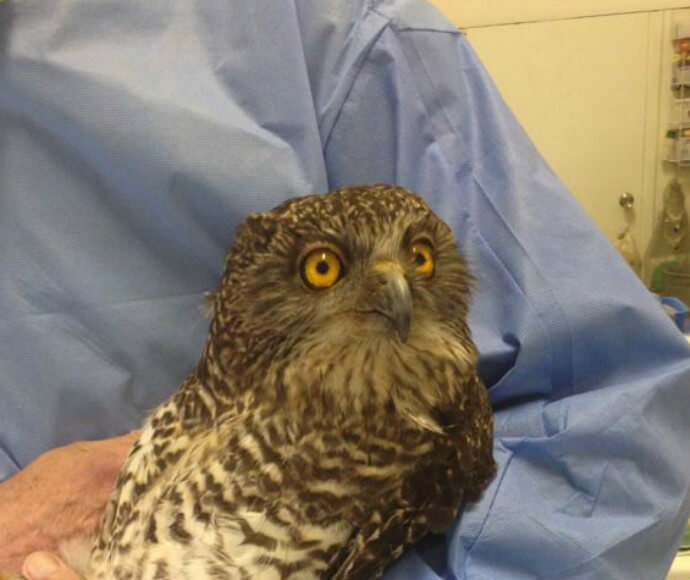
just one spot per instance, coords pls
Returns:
(136, 137)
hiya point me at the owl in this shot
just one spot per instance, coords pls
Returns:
(335, 417)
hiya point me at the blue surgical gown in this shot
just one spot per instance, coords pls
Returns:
(136, 134)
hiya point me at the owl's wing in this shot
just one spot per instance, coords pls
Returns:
(427, 501)
(375, 546)
(457, 468)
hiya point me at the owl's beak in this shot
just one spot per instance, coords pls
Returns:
(393, 300)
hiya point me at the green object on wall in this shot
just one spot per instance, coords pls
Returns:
(685, 545)
(657, 282)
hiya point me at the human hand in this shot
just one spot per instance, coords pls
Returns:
(62, 494)
(47, 566)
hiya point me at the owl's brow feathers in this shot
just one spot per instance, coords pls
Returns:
(348, 211)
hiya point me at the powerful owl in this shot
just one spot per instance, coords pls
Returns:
(335, 417)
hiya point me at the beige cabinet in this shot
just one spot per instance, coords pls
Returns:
(580, 87)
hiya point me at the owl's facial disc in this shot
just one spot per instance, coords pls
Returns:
(393, 299)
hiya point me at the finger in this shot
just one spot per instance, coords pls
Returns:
(123, 446)
(47, 566)
(131, 437)
(126, 441)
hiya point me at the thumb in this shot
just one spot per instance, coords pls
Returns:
(47, 566)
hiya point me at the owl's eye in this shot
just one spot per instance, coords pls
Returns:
(322, 268)
(423, 258)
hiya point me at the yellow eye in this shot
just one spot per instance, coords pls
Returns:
(423, 258)
(322, 268)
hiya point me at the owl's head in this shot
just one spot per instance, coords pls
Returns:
(351, 294)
